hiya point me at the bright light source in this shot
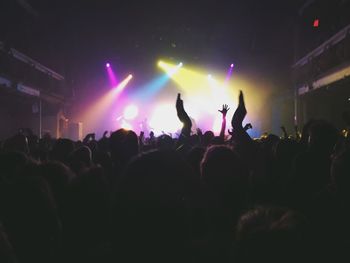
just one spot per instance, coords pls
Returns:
(130, 112)
(111, 75)
(232, 65)
(170, 69)
(210, 76)
(217, 125)
(123, 84)
(164, 118)
(316, 23)
(125, 125)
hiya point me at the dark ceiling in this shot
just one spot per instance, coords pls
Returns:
(76, 38)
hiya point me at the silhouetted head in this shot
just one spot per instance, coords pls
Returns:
(156, 178)
(87, 211)
(207, 137)
(165, 142)
(80, 159)
(61, 150)
(29, 215)
(123, 145)
(17, 143)
(222, 170)
(58, 176)
(270, 234)
(151, 206)
(89, 193)
(194, 158)
(11, 163)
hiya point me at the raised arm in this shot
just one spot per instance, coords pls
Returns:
(239, 133)
(239, 114)
(183, 117)
(224, 111)
(248, 126)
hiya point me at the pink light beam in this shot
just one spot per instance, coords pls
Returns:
(111, 75)
(229, 72)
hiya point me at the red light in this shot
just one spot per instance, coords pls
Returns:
(316, 23)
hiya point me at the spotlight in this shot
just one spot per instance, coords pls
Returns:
(123, 84)
(108, 65)
(229, 73)
(209, 76)
(170, 69)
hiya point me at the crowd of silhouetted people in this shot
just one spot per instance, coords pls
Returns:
(196, 198)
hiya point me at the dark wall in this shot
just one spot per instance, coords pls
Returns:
(327, 103)
(17, 112)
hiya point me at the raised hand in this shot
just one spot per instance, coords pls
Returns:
(248, 126)
(183, 116)
(179, 101)
(239, 133)
(224, 110)
(240, 113)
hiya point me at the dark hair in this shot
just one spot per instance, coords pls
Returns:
(61, 150)
(222, 170)
(271, 234)
(150, 214)
(123, 146)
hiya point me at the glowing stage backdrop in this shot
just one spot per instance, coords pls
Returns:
(151, 106)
